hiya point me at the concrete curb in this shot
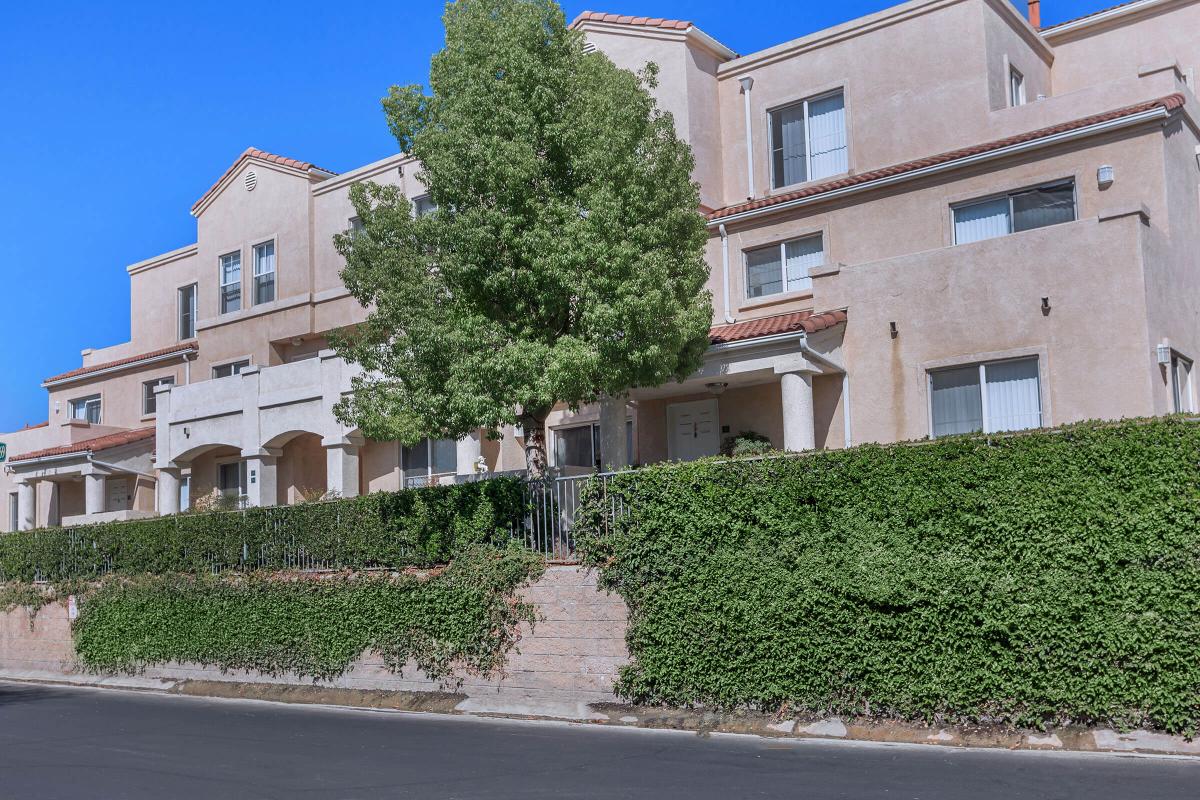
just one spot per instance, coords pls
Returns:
(1068, 739)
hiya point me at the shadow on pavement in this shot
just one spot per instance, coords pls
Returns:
(12, 694)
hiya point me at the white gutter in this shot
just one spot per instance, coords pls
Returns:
(725, 270)
(120, 367)
(1098, 17)
(1033, 144)
(747, 85)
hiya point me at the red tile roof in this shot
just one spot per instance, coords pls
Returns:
(123, 362)
(625, 19)
(261, 155)
(794, 322)
(106, 442)
(1170, 103)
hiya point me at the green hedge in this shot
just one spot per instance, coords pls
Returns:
(312, 626)
(415, 527)
(1044, 578)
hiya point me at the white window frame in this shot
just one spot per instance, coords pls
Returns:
(808, 176)
(224, 286)
(416, 482)
(983, 399)
(148, 396)
(1016, 87)
(259, 276)
(235, 367)
(1183, 398)
(188, 314)
(355, 227)
(1009, 195)
(84, 403)
(782, 246)
(243, 488)
(416, 201)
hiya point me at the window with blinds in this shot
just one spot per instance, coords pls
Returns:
(1025, 210)
(808, 140)
(783, 267)
(985, 398)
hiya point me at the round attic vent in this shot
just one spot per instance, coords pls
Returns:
(251, 180)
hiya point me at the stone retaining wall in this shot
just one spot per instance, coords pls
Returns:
(567, 661)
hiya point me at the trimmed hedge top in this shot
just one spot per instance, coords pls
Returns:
(415, 527)
(1048, 577)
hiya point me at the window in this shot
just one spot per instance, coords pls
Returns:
(424, 205)
(231, 282)
(1018, 211)
(808, 140)
(580, 446)
(264, 273)
(1183, 393)
(998, 396)
(229, 370)
(86, 409)
(231, 479)
(1016, 87)
(149, 401)
(185, 493)
(13, 512)
(783, 267)
(356, 227)
(427, 459)
(187, 312)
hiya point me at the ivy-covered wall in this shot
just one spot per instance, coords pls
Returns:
(1052, 577)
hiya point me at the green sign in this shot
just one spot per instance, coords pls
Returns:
(3, 452)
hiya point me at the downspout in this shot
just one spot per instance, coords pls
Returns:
(187, 370)
(725, 270)
(747, 85)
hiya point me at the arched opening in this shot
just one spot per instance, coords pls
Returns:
(301, 469)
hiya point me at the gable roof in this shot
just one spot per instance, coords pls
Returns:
(1166, 104)
(253, 153)
(121, 363)
(793, 322)
(106, 442)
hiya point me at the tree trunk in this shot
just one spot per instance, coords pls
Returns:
(534, 424)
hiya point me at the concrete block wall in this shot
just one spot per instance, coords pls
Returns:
(566, 661)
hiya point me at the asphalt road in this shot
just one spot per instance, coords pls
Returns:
(89, 743)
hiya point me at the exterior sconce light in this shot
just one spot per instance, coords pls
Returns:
(893, 329)
(1104, 176)
(716, 388)
(187, 433)
(1045, 306)
(1163, 351)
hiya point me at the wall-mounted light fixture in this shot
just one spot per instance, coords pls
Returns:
(1163, 351)
(187, 433)
(893, 329)
(1105, 175)
(716, 387)
(1045, 306)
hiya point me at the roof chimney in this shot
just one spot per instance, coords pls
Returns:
(1035, 14)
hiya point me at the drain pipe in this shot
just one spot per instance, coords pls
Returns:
(725, 270)
(747, 85)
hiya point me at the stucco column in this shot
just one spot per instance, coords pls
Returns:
(93, 493)
(798, 431)
(262, 486)
(26, 505)
(341, 469)
(168, 490)
(467, 453)
(612, 433)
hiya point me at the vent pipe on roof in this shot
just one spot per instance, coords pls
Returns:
(1035, 14)
(748, 84)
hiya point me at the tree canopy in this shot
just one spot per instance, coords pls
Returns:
(565, 258)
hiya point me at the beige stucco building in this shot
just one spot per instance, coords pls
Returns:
(934, 219)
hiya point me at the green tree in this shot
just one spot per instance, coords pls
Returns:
(565, 258)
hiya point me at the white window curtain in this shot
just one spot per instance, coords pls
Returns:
(957, 406)
(800, 256)
(979, 221)
(827, 136)
(1013, 400)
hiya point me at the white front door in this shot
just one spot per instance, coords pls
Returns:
(118, 494)
(694, 432)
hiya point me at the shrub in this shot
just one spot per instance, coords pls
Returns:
(1047, 577)
(415, 527)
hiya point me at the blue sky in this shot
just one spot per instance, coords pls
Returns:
(115, 117)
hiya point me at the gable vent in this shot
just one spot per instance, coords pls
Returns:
(251, 180)
(589, 47)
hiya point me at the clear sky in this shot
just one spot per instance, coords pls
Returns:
(115, 117)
